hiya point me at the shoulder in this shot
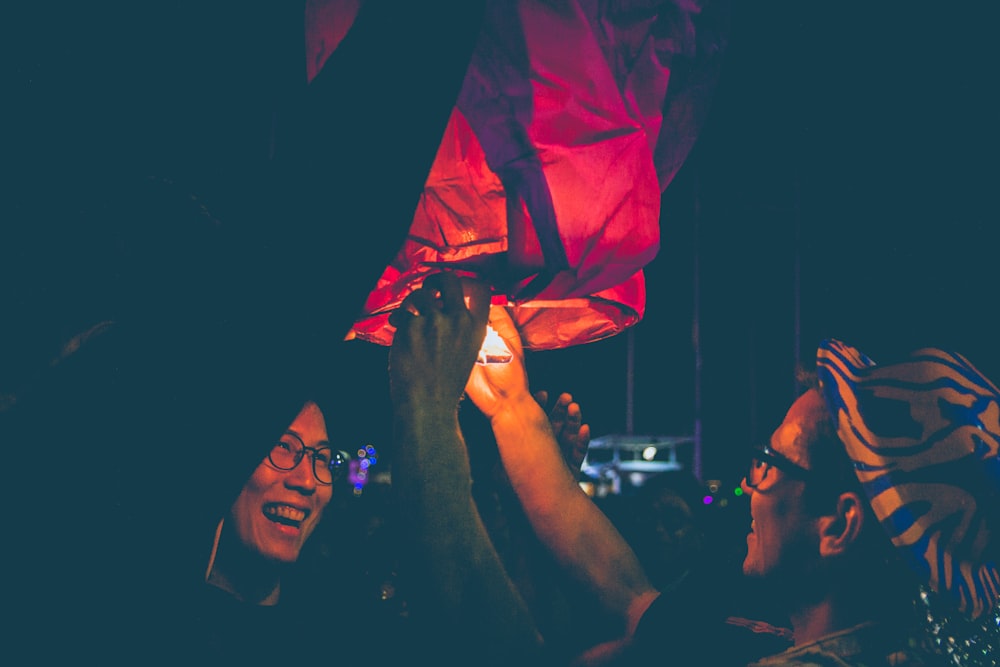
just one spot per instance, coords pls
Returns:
(677, 630)
(866, 645)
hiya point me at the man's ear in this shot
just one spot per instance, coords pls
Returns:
(839, 530)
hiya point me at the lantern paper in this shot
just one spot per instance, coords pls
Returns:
(572, 119)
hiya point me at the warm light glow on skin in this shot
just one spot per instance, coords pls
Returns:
(493, 350)
(255, 515)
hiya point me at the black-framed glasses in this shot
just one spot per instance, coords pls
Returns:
(327, 463)
(762, 459)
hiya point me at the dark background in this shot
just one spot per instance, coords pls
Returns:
(843, 186)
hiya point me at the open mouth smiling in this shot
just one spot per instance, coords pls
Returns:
(286, 515)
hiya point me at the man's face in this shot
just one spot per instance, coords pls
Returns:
(783, 535)
(278, 509)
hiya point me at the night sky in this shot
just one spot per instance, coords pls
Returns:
(844, 185)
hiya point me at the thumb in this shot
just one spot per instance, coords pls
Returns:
(503, 324)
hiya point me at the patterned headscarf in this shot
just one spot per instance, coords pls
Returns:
(924, 435)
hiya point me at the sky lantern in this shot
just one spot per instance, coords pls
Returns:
(572, 119)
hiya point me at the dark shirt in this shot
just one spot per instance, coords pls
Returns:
(684, 627)
(221, 630)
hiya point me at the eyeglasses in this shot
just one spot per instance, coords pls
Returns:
(327, 463)
(764, 458)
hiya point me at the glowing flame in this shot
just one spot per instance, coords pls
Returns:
(493, 350)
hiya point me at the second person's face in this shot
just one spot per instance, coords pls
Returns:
(782, 533)
(277, 510)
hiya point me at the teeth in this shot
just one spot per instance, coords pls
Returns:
(285, 512)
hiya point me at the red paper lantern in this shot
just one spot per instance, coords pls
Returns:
(571, 122)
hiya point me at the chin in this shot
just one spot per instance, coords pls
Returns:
(279, 550)
(750, 569)
(282, 555)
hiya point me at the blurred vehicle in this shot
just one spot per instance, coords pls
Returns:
(617, 464)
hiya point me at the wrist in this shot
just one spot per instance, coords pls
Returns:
(517, 409)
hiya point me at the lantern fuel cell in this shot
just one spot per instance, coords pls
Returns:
(493, 350)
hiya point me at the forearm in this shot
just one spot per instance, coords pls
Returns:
(463, 577)
(578, 534)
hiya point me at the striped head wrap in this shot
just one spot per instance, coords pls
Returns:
(924, 436)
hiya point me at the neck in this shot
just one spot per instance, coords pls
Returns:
(825, 615)
(811, 622)
(245, 574)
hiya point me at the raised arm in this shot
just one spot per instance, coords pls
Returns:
(462, 580)
(565, 519)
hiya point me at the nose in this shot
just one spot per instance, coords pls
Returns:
(746, 489)
(301, 477)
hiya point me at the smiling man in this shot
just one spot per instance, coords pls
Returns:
(817, 547)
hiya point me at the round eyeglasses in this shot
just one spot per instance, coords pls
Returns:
(762, 459)
(327, 463)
